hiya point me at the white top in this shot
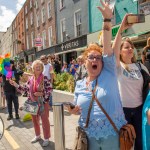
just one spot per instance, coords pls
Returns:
(47, 70)
(130, 85)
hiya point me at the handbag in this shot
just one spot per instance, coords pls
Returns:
(31, 107)
(126, 134)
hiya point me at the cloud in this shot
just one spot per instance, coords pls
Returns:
(19, 4)
(6, 18)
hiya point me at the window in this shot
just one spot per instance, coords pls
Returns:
(31, 18)
(32, 39)
(63, 30)
(26, 23)
(49, 10)
(78, 23)
(37, 20)
(44, 39)
(50, 36)
(61, 4)
(43, 15)
(27, 38)
(36, 4)
(26, 10)
(30, 3)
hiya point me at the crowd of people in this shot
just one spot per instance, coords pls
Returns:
(108, 72)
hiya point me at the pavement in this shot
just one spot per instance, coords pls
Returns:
(18, 134)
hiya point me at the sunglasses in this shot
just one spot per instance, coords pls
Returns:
(92, 57)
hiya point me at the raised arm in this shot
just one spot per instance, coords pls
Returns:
(117, 42)
(107, 34)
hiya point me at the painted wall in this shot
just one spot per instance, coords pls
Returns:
(121, 8)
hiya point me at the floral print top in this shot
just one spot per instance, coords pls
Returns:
(47, 89)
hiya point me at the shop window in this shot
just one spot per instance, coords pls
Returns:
(78, 24)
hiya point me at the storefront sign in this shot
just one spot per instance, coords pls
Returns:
(38, 42)
(72, 44)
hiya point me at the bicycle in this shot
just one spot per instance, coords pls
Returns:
(1, 127)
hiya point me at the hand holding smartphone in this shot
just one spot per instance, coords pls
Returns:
(72, 106)
(136, 18)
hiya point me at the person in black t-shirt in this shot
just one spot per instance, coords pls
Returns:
(11, 93)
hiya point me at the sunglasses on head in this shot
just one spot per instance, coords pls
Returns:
(92, 57)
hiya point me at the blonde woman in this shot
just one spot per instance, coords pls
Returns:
(34, 90)
(130, 82)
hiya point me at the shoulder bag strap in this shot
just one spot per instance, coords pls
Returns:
(90, 107)
(108, 117)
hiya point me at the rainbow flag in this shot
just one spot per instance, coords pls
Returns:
(5, 66)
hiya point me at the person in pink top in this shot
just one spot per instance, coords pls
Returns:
(38, 86)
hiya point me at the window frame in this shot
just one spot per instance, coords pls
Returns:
(50, 37)
(75, 23)
(61, 29)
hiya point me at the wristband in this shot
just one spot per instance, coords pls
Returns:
(107, 20)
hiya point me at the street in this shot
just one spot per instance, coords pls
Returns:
(18, 134)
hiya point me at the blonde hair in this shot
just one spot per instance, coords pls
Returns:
(92, 47)
(37, 62)
(133, 60)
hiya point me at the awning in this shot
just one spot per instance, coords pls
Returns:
(139, 37)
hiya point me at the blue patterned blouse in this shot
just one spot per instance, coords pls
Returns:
(108, 95)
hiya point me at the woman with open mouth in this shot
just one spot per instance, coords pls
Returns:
(101, 84)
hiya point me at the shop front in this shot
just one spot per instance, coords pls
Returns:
(70, 50)
(50, 50)
(30, 55)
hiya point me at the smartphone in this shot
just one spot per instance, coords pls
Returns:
(136, 18)
(70, 104)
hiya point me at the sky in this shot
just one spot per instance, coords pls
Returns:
(8, 12)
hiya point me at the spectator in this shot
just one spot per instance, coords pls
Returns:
(48, 72)
(57, 65)
(146, 55)
(102, 78)
(81, 71)
(11, 92)
(38, 85)
(73, 67)
(64, 68)
(130, 81)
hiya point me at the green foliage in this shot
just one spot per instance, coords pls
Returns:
(64, 82)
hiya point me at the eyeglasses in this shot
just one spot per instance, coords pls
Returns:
(91, 57)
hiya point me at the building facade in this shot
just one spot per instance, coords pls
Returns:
(72, 28)
(45, 26)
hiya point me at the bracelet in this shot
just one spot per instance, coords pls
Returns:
(107, 20)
